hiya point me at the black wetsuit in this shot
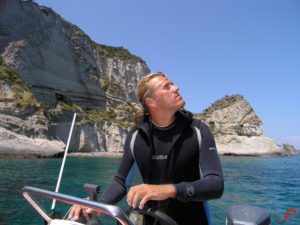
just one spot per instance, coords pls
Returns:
(172, 155)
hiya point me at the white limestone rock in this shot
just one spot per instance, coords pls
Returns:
(12, 144)
(233, 115)
(105, 137)
(248, 146)
(237, 129)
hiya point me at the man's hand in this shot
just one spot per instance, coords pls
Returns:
(75, 212)
(146, 192)
(76, 209)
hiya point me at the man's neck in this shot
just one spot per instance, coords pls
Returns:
(163, 120)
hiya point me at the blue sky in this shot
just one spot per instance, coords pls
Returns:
(209, 48)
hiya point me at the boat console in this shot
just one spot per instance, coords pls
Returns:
(131, 217)
(236, 215)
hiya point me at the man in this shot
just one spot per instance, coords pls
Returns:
(176, 156)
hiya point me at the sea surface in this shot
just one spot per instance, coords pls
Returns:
(270, 183)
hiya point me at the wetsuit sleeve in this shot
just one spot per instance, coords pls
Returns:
(211, 185)
(117, 189)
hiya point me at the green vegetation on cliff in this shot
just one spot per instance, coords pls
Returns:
(96, 115)
(23, 97)
(7, 74)
(113, 87)
(108, 51)
(93, 116)
(63, 103)
(221, 104)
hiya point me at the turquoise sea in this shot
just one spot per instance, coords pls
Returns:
(270, 183)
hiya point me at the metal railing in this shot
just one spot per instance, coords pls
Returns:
(112, 210)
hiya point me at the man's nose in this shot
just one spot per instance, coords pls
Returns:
(175, 88)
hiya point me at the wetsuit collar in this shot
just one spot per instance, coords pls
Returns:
(146, 125)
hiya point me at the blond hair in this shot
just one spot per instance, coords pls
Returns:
(143, 91)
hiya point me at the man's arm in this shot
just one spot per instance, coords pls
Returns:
(117, 189)
(212, 184)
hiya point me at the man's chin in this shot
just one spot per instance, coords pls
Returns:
(182, 104)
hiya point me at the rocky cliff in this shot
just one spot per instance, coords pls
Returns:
(56, 57)
(290, 149)
(62, 70)
(238, 130)
(50, 69)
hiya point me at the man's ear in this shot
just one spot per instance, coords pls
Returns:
(149, 102)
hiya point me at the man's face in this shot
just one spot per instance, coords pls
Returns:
(165, 95)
